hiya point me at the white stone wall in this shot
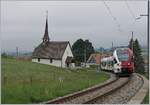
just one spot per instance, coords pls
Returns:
(47, 61)
(67, 52)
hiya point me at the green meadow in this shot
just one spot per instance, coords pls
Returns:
(27, 82)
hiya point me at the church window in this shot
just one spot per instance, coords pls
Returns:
(38, 59)
(51, 60)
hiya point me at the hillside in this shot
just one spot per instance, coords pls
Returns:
(27, 82)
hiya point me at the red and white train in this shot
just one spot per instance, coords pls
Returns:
(120, 63)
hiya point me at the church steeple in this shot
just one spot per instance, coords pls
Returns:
(46, 36)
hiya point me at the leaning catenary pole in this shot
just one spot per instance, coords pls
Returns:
(85, 54)
(132, 41)
(148, 34)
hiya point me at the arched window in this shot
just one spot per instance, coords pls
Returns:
(112, 63)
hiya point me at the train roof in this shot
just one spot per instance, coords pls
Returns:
(125, 48)
(111, 58)
(122, 49)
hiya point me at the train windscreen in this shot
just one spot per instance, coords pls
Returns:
(122, 55)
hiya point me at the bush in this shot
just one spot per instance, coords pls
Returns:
(4, 55)
(93, 66)
(77, 63)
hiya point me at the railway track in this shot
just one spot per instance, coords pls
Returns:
(120, 95)
(93, 94)
(118, 91)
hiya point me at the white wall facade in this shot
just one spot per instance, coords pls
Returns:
(47, 61)
(67, 52)
(58, 63)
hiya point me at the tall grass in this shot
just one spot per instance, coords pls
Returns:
(27, 82)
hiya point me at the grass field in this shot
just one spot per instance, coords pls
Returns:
(146, 99)
(27, 82)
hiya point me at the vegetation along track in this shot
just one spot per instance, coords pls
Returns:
(91, 95)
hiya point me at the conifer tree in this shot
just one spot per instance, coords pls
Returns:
(138, 59)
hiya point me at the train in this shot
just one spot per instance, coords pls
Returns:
(121, 62)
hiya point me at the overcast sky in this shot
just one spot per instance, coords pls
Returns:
(23, 22)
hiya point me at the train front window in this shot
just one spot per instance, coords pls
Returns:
(123, 57)
(122, 54)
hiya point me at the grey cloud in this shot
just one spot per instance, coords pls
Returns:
(23, 23)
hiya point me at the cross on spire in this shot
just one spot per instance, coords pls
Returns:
(46, 36)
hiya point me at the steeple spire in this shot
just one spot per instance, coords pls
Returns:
(46, 36)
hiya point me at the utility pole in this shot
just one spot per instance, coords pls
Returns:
(46, 13)
(148, 36)
(17, 51)
(85, 54)
(112, 46)
(132, 45)
(132, 41)
(147, 32)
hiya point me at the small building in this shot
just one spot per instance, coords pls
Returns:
(94, 59)
(56, 53)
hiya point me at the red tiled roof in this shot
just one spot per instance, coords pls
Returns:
(96, 57)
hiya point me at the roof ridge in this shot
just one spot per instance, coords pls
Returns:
(59, 41)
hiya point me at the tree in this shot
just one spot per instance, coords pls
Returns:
(4, 55)
(80, 47)
(89, 48)
(138, 59)
(78, 50)
(131, 43)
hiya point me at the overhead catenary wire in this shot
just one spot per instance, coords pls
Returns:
(113, 17)
(130, 11)
(132, 14)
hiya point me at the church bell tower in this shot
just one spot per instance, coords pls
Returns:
(46, 36)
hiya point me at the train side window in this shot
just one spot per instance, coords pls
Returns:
(115, 61)
(104, 63)
(109, 63)
(112, 63)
